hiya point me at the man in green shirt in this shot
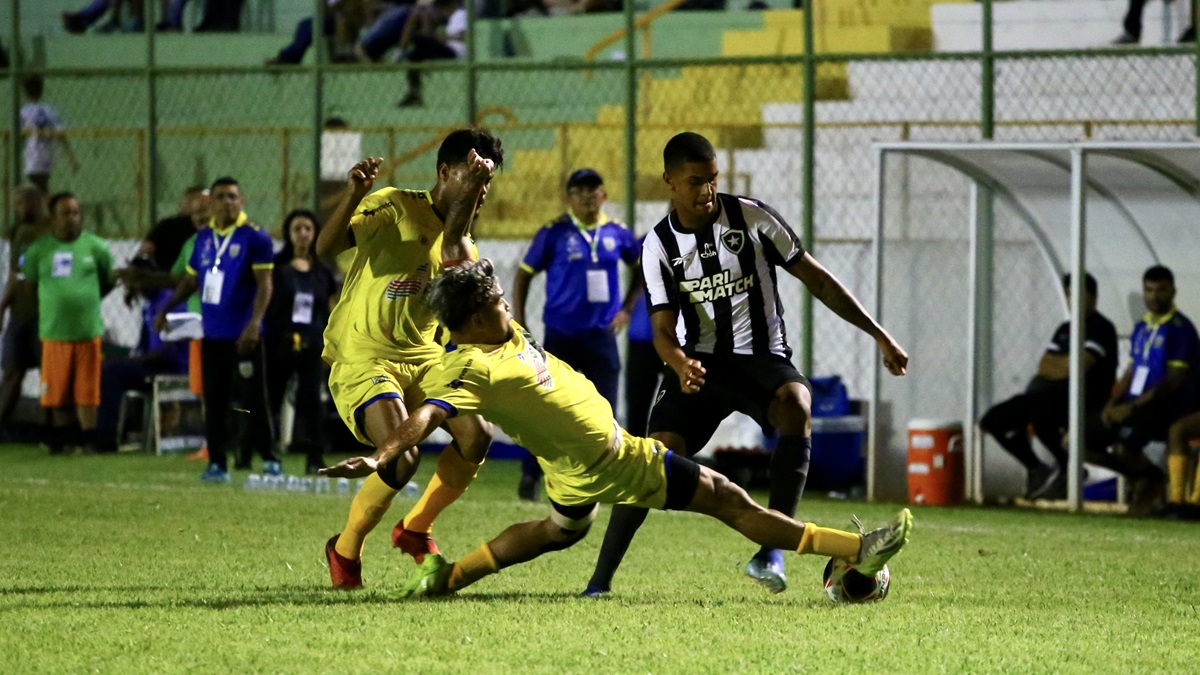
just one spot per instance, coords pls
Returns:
(72, 271)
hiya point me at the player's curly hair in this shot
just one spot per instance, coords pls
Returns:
(461, 291)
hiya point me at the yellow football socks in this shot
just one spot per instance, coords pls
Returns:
(452, 478)
(830, 542)
(367, 509)
(474, 566)
(1177, 477)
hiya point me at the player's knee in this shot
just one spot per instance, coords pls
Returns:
(390, 472)
(474, 439)
(729, 495)
(562, 538)
(794, 412)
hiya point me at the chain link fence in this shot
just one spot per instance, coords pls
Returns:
(258, 124)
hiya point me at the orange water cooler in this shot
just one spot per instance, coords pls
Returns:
(935, 462)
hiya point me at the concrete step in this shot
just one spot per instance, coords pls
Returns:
(1063, 24)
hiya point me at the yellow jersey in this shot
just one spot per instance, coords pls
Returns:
(541, 402)
(382, 311)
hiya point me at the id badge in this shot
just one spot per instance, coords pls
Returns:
(214, 281)
(302, 308)
(597, 286)
(63, 261)
(1138, 384)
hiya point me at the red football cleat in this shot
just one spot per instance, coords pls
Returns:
(343, 572)
(416, 544)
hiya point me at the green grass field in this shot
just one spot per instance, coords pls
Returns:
(128, 564)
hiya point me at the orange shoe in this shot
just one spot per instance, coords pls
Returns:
(416, 544)
(200, 455)
(343, 572)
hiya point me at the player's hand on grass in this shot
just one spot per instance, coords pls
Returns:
(354, 467)
(362, 175)
(895, 359)
(691, 376)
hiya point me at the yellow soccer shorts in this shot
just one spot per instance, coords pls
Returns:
(356, 386)
(633, 471)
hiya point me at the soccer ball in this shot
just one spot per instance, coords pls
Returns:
(845, 585)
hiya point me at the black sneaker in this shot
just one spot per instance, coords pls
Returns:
(1039, 479)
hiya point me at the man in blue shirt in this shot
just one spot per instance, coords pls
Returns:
(1157, 389)
(580, 251)
(231, 267)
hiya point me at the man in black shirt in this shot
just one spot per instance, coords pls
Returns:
(166, 240)
(1044, 405)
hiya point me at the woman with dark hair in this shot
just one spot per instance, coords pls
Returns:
(294, 324)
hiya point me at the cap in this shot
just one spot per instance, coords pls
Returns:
(585, 178)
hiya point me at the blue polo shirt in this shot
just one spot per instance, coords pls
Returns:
(1155, 346)
(242, 249)
(570, 254)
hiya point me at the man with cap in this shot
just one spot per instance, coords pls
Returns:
(579, 251)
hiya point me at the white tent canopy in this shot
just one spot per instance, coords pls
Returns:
(1113, 209)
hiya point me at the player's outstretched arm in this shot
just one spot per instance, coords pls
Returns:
(834, 295)
(335, 235)
(414, 430)
(456, 247)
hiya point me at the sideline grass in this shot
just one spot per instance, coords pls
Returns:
(129, 564)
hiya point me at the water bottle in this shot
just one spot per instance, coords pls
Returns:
(307, 485)
(322, 485)
(274, 483)
(254, 483)
(293, 484)
(412, 489)
(358, 485)
(343, 486)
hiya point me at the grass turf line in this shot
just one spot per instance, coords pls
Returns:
(129, 564)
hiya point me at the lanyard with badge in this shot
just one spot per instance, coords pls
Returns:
(214, 281)
(597, 280)
(1142, 372)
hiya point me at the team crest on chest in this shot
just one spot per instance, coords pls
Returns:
(733, 241)
(234, 250)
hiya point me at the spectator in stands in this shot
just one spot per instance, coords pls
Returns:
(1156, 390)
(642, 365)
(580, 251)
(1044, 404)
(72, 271)
(22, 350)
(342, 21)
(79, 21)
(151, 357)
(301, 288)
(433, 32)
(43, 132)
(231, 266)
(172, 16)
(1131, 33)
(221, 16)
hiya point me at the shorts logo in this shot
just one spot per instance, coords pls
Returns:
(661, 393)
(246, 369)
(456, 383)
(733, 241)
(403, 287)
(379, 379)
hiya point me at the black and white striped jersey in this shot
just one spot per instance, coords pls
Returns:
(721, 279)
